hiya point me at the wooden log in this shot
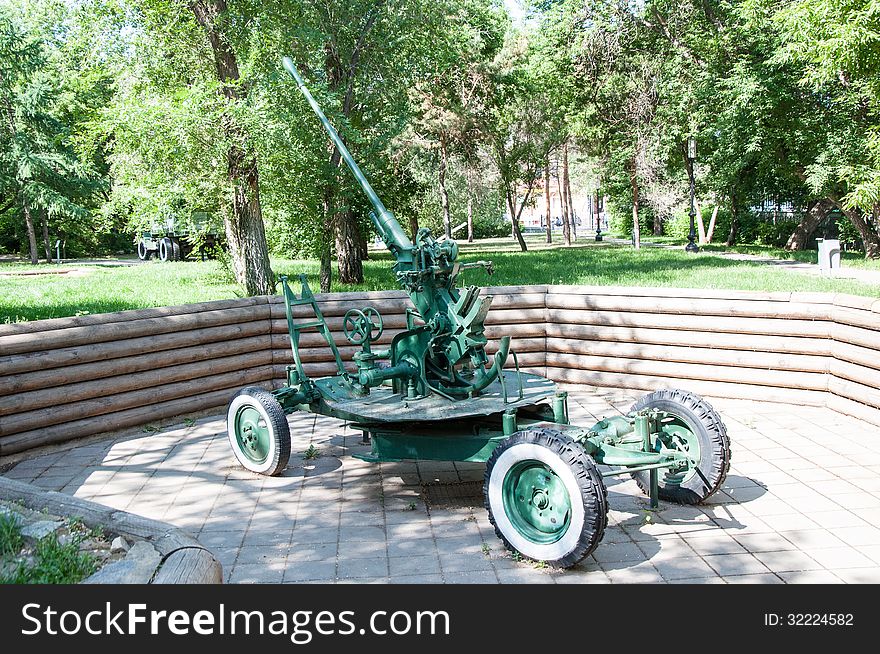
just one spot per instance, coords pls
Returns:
(668, 292)
(114, 331)
(701, 386)
(334, 323)
(855, 409)
(713, 339)
(123, 419)
(52, 324)
(854, 391)
(855, 372)
(334, 308)
(50, 400)
(158, 359)
(315, 340)
(736, 325)
(142, 346)
(855, 336)
(184, 558)
(855, 354)
(690, 355)
(851, 301)
(780, 379)
(857, 318)
(113, 402)
(189, 565)
(323, 355)
(515, 316)
(690, 307)
(313, 370)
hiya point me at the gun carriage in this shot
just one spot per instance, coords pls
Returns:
(436, 394)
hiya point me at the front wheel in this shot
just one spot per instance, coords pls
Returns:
(689, 424)
(545, 497)
(258, 431)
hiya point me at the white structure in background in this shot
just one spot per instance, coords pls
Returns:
(584, 213)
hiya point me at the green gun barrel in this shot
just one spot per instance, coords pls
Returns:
(389, 229)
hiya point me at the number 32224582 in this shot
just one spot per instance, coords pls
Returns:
(809, 619)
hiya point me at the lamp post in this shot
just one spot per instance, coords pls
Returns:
(598, 217)
(692, 155)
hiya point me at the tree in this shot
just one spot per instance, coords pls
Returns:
(41, 175)
(836, 43)
(451, 104)
(517, 126)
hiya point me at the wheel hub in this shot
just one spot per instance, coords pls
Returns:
(536, 502)
(253, 434)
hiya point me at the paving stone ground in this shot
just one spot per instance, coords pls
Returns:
(800, 505)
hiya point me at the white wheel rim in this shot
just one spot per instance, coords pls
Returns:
(539, 552)
(234, 406)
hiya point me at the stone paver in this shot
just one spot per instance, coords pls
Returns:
(796, 506)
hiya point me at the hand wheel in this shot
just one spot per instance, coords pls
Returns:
(361, 326)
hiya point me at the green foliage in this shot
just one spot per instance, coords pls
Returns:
(49, 174)
(54, 563)
(11, 540)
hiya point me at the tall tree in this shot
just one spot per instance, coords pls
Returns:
(41, 175)
(243, 221)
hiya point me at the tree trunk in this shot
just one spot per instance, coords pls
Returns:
(549, 224)
(245, 232)
(563, 207)
(566, 184)
(362, 245)
(470, 217)
(734, 220)
(701, 228)
(814, 215)
(44, 219)
(444, 195)
(637, 229)
(711, 231)
(326, 267)
(348, 260)
(413, 227)
(658, 224)
(511, 206)
(870, 237)
(31, 231)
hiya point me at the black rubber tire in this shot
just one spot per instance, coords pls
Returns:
(142, 251)
(704, 421)
(166, 249)
(177, 253)
(268, 405)
(586, 485)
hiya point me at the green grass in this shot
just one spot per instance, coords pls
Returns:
(847, 259)
(109, 288)
(11, 540)
(53, 562)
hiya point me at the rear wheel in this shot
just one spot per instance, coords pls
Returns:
(545, 497)
(691, 426)
(258, 431)
(177, 253)
(166, 249)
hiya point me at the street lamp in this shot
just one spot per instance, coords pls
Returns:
(598, 217)
(692, 234)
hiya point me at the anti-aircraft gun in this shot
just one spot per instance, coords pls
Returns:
(435, 394)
